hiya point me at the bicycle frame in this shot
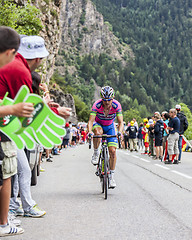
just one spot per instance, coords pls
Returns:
(103, 162)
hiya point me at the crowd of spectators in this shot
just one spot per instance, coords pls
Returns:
(160, 136)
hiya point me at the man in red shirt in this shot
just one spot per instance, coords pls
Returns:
(17, 73)
(9, 44)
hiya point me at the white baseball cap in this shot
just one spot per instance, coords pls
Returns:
(178, 107)
(32, 47)
(157, 113)
(150, 121)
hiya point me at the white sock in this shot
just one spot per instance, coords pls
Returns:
(96, 152)
(4, 225)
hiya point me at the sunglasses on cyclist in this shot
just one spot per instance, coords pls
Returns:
(106, 100)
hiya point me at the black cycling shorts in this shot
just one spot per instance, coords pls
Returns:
(158, 142)
(1, 176)
(74, 139)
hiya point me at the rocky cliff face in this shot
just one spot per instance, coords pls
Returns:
(84, 31)
(51, 32)
(75, 28)
(50, 17)
(65, 100)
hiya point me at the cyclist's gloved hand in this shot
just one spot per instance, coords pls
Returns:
(45, 126)
(119, 134)
(90, 134)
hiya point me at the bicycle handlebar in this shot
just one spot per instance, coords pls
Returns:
(104, 136)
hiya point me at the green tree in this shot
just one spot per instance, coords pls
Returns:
(159, 33)
(82, 109)
(188, 113)
(130, 114)
(24, 19)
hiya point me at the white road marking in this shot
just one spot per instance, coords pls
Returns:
(182, 174)
(162, 166)
(144, 160)
(158, 165)
(127, 153)
(136, 156)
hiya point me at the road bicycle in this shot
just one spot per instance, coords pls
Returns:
(103, 170)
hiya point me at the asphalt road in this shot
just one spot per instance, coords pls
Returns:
(152, 200)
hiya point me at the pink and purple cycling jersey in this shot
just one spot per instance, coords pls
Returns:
(98, 111)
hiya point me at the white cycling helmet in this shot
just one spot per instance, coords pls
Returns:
(107, 92)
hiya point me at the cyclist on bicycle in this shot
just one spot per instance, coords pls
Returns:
(101, 121)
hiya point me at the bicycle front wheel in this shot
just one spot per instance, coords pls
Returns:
(105, 176)
(100, 173)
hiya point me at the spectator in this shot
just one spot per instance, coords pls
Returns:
(9, 44)
(135, 123)
(36, 86)
(78, 135)
(126, 138)
(173, 138)
(74, 135)
(151, 137)
(132, 133)
(36, 83)
(158, 131)
(165, 117)
(183, 128)
(83, 135)
(140, 136)
(12, 77)
(146, 135)
(67, 136)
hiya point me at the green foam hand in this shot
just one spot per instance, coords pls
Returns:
(45, 126)
(9, 124)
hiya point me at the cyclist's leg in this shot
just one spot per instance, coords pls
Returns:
(112, 146)
(112, 157)
(112, 164)
(97, 129)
